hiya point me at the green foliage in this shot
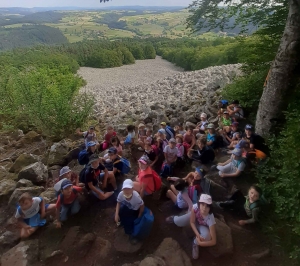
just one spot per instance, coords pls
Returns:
(104, 59)
(30, 35)
(279, 177)
(149, 51)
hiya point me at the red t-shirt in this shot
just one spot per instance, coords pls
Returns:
(70, 199)
(107, 136)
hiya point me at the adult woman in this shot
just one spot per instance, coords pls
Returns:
(203, 224)
(145, 179)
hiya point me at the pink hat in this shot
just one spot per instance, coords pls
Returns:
(205, 199)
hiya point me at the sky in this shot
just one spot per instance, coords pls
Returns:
(91, 3)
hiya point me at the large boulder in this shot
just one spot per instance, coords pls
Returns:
(36, 172)
(122, 243)
(34, 191)
(32, 136)
(7, 240)
(25, 253)
(48, 195)
(7, 187)
(22, 161)
(172, 254)
(24, 183)
(224, 240)
(58, 152)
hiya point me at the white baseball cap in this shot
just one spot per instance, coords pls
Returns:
(204, 115)
(64, 170)
(204, 198)
(127, 184)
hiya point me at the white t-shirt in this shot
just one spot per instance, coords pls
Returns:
(88, 137)
(208, 221)
(171, 153)
(33, 210)
(134, 203)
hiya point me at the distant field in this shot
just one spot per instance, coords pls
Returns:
(80, 25)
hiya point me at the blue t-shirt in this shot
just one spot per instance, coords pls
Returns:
(211, 137)
(118, 164)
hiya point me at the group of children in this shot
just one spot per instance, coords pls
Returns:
(166, 149)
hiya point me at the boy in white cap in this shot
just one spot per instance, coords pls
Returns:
(201, 126)
(130, 206)
(203, 224)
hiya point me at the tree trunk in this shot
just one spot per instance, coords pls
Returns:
(281, 72)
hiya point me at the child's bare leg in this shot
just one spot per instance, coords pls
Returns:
(172, 196)
(51, 210)
(26, 232)
(112, 179)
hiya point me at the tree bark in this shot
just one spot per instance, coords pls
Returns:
(281, 73)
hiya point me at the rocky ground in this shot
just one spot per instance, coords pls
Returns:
(29, 163)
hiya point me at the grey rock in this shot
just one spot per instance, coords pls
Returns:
(7, 187)
(24, 183)
(22, 161)
(48, 195)
(34, 191)
(36, 172)
(122, 244)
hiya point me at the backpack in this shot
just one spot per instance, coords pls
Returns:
(82, 174)
(192, 192)
(83, 157)
(186, 147)
(170, 131)
(157, 181)
(62, 196)
(224, 102)
(126, 167)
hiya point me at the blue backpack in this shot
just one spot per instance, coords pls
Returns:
(126, 167)
(143, 225)
(224, 102)
(169, 132)
(83, 157)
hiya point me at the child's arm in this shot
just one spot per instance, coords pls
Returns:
(193, 142)
(142, 207)
(117, 218)
(143, 188)
(237, 173)
(227, 162)
(202, 243)
(252, 220)
(79, 132)
(173, 178)
(193, 224)
(188, 176)
(58, 222)
(104, 184)
(42, 208)
(187, 199)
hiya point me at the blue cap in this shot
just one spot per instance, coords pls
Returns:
(91, 143)
(249, 127)
(200, 171)
(162, 131)
(112, 150)
(66, 183)
(241, 144)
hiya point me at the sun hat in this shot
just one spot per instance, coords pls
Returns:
(144, 159)
(91, 144)
(200, 171)
(141, 125)
(249, 127)
(172, 140)
(204, 198)
(237, 152)
(112, 150)
(93, 158)
(235, 124)
(127, 183)
(66, 183)
(212, 126)
(204, 115)
(163, 123)
(64, 170)
(162, 131)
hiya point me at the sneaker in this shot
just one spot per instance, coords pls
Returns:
(170, 219)
(140, 149)
(195, 251)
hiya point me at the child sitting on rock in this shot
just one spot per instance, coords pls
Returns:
(115, 142)
(107, 138)
(66, 174)
(130, 135)
(67, 202)
(147, 139)
(88, 136)
(130, 206)
(151, 153)
(234, 166)
(211, 135)
(250, 205)
(170, 133)
(201, 126)
(178, 193)
(225, 120)
(203, 224)
(31, 213)
(180, 147)
(189, 138)
(161, 140)
(235, 110)
(170, 154)
(142, 132)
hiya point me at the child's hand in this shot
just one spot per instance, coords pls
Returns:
(242, 222)
(117, 218)
(58, 224)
